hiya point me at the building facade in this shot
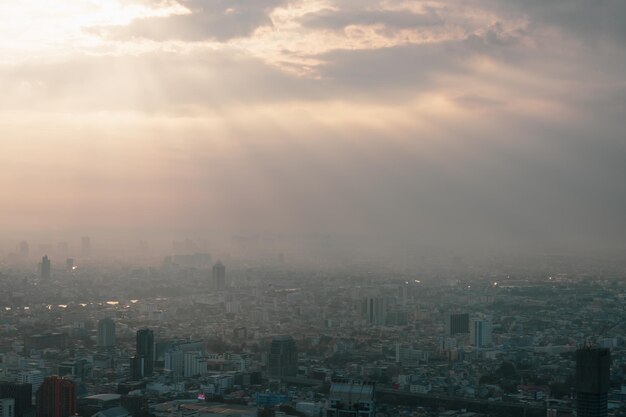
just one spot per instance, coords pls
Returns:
(592, 381)
(56, 398)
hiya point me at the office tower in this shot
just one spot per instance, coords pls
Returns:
(106, 333)
(350, 398)
(404, 293)
(457, 324)
(592, 381)
(46, 267)
(480, 331)
(219, 276)
(85, 246)
(69, 264)
(283, 357)
(374, 310)
(194, 364)
(34, 378)
(145, 350)
(137, 368)
(21, 393)
(174, 361)
(7, 407)
(23, 250)
(56, 398)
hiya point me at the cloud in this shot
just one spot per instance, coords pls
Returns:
(595, 21)
(392, 19)
(207, 19)
(470, 123)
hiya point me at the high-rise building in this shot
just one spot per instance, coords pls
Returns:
(350, 398)
(85, 246)
(458, 324)
(374, 310)
(137, 368)
(219, 276)
(32, 377)
(283, 357)
(46, 267)
(56, 398)
(480, 331)
(7, 407)
(106, 333)
(194, 363)
(23, 250)
(69, 264)
(592, 381)
(145, 350)
(21, 393)
(174, 361)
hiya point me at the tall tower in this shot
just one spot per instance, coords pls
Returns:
(457, 323)
(56, 398)
(592, 381)
(85, 246)
(480, 331)
(283, 357)
(23, 250)
(219, 276)
(374, 310)
(145, 350)
(106, 333)
(46, 267)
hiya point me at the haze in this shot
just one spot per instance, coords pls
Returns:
(450, 124)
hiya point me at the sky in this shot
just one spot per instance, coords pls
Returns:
(456, 123)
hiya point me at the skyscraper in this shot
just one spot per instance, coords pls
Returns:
(592, 381)
(374, 310)
(85, 246)
(480, 331)
(106, 333)
(145, 350)
(46, 267)
(21, 393)
(56, 398)
(457, 324)
(219, 276)
(283, 357)
(137, 368)
(23, 250)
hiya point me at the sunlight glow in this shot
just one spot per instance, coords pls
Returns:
(63, 26)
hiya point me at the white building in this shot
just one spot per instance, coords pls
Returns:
(480, 331)
(350, 398)
(174, 361)
(194, 364)
(7, 407)
(31, 377)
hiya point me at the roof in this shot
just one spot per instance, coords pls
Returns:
(104, 397)
(113, 412)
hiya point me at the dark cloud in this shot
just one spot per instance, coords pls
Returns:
(593, 21)
(209, 19)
